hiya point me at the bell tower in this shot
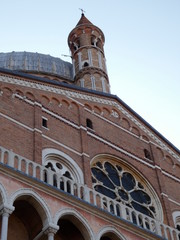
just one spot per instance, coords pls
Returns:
(86, 43)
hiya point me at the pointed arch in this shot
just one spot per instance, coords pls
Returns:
(77, 219)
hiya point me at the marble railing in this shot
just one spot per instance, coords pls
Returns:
(39, 172)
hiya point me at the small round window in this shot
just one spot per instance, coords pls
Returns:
(121, 184)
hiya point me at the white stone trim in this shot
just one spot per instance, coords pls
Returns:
(170, 199)
(59, 117)
(118, 149)
(112, 123)
(90, 57)
(93, 82)
(82, 82)
(73, 63)
(110, 229)
(99, 59)
(80, 60)
(171, 176)
(20, 124)
(103, 84)
(62, 145)
(14, 121)
(83, 223)
(71, 93)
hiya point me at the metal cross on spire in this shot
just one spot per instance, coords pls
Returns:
(82, 10)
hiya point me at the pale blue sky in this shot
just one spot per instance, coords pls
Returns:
(142, 47)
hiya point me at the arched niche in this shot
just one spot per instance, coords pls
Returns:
(125, 123)
(55, 101)
(7, 92)
(87, 107)
(30, 96)
(45, 100)
(135, 131)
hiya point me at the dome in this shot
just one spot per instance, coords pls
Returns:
(36, 63)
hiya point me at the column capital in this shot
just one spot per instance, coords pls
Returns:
(6, 210)
(51, 229)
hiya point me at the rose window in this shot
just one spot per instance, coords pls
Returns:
(121, 184)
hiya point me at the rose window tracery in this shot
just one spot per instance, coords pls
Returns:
(121, 184)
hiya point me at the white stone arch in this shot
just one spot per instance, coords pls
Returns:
(78, 220)
(3, 195)
(135, 172)
(36, 201)
(65, 159)
(110, 230)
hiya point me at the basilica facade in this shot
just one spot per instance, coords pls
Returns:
(76, 162)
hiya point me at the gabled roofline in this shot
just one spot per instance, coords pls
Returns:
(74, 87)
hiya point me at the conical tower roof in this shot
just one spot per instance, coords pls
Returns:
(83, 20)
(83, 23)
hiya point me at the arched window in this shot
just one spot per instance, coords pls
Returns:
(115, 179)
(63, 164)
(89, 123)
(147, 154)
(99, 43)
(93, 41)
(76, 44)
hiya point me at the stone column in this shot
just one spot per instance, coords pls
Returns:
(5, 212)
(51, 231)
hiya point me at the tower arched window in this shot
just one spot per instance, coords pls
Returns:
(93, 41)
(76, 44)
(118, 181)
(99, 43)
